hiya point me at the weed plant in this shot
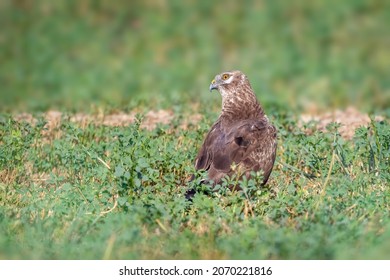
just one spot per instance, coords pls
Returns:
(97, 192)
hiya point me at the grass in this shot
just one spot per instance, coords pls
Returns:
(118, 193)
(79, 56)
(91, 191)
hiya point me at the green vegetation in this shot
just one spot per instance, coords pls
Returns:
(76, 56)
(91, 191)
(328, 198)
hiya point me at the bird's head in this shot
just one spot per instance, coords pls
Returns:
(227, 81)
(237, 94)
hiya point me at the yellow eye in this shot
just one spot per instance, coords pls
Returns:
(225, 76)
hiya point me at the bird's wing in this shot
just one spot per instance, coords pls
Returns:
(205, 155)
(240, 141)
(225, 146)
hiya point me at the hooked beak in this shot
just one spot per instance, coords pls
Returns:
(213, 85)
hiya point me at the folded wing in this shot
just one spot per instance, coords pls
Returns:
(250, 144)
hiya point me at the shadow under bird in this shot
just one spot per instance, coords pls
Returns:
(242, 139)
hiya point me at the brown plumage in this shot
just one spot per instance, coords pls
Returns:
(242, 135)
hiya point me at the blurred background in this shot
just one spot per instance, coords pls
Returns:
(120, 55)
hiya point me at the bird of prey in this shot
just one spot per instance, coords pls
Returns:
(242, 140)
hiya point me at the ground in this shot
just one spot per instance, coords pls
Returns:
(112, 186)
(349, 119)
